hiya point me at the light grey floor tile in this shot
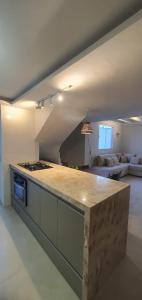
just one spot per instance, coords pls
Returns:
(26, 272)
(126, 282)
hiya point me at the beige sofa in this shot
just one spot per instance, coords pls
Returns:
(125, 164)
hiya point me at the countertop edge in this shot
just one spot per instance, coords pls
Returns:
(67, 199)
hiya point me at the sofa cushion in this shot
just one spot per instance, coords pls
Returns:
(135, 167)
(135, 170)
(109, 171)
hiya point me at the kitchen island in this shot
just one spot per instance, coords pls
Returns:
(80, 220)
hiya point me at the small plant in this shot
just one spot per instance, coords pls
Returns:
(74, 167)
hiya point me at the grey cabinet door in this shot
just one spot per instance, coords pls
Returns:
(71, 235)
(49, 206)
(34, 201)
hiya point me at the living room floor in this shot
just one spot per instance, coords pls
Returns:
(126, 281)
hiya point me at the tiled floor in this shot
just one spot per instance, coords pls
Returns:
(126, 282)
(26, 272)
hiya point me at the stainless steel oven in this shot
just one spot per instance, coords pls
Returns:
(20, 189)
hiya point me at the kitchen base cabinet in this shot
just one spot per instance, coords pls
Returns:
(33, 207)
(49, 214)
(42, 207)
(90, 235)
(64, 267)
(51, 221)
(71, 235)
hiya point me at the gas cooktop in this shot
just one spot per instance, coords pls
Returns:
(35, 166)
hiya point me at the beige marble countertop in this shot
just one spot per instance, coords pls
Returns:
(79, 188)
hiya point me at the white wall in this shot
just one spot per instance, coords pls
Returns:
(81, 149)
(41, 116)
(131, 141)
(91, 141)
(62, 120)
(72, 150)
(17, 142)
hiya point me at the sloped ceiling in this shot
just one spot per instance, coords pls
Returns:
(37, 37)
(107, 82)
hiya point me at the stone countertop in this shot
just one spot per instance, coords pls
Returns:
(81, 189)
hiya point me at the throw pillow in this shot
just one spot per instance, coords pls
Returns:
(115, 161)
(99, 161)
(109, 162)
(134, 160)
(140, 160)
(118, 156)
(129, 156)
(124, 159)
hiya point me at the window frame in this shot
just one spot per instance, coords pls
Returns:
(107, 126)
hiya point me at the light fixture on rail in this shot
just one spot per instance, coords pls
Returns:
(49, 98)
(40, 104)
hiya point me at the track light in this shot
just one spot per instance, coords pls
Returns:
(40, 104)
(58, 95)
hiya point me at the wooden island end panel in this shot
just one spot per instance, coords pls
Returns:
(106, 227)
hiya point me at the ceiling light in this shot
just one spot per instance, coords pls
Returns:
(137, 119)
(86, 128)
(60, 97)
(123, 120)
(67, 87)
(59, 94)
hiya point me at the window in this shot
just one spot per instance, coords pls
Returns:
(105, 137)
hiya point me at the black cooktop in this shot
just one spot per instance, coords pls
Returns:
(35, 166)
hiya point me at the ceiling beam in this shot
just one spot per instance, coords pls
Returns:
(35, 85)
(3, 98)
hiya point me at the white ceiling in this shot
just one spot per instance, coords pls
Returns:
(38, 36)
(107, 82)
